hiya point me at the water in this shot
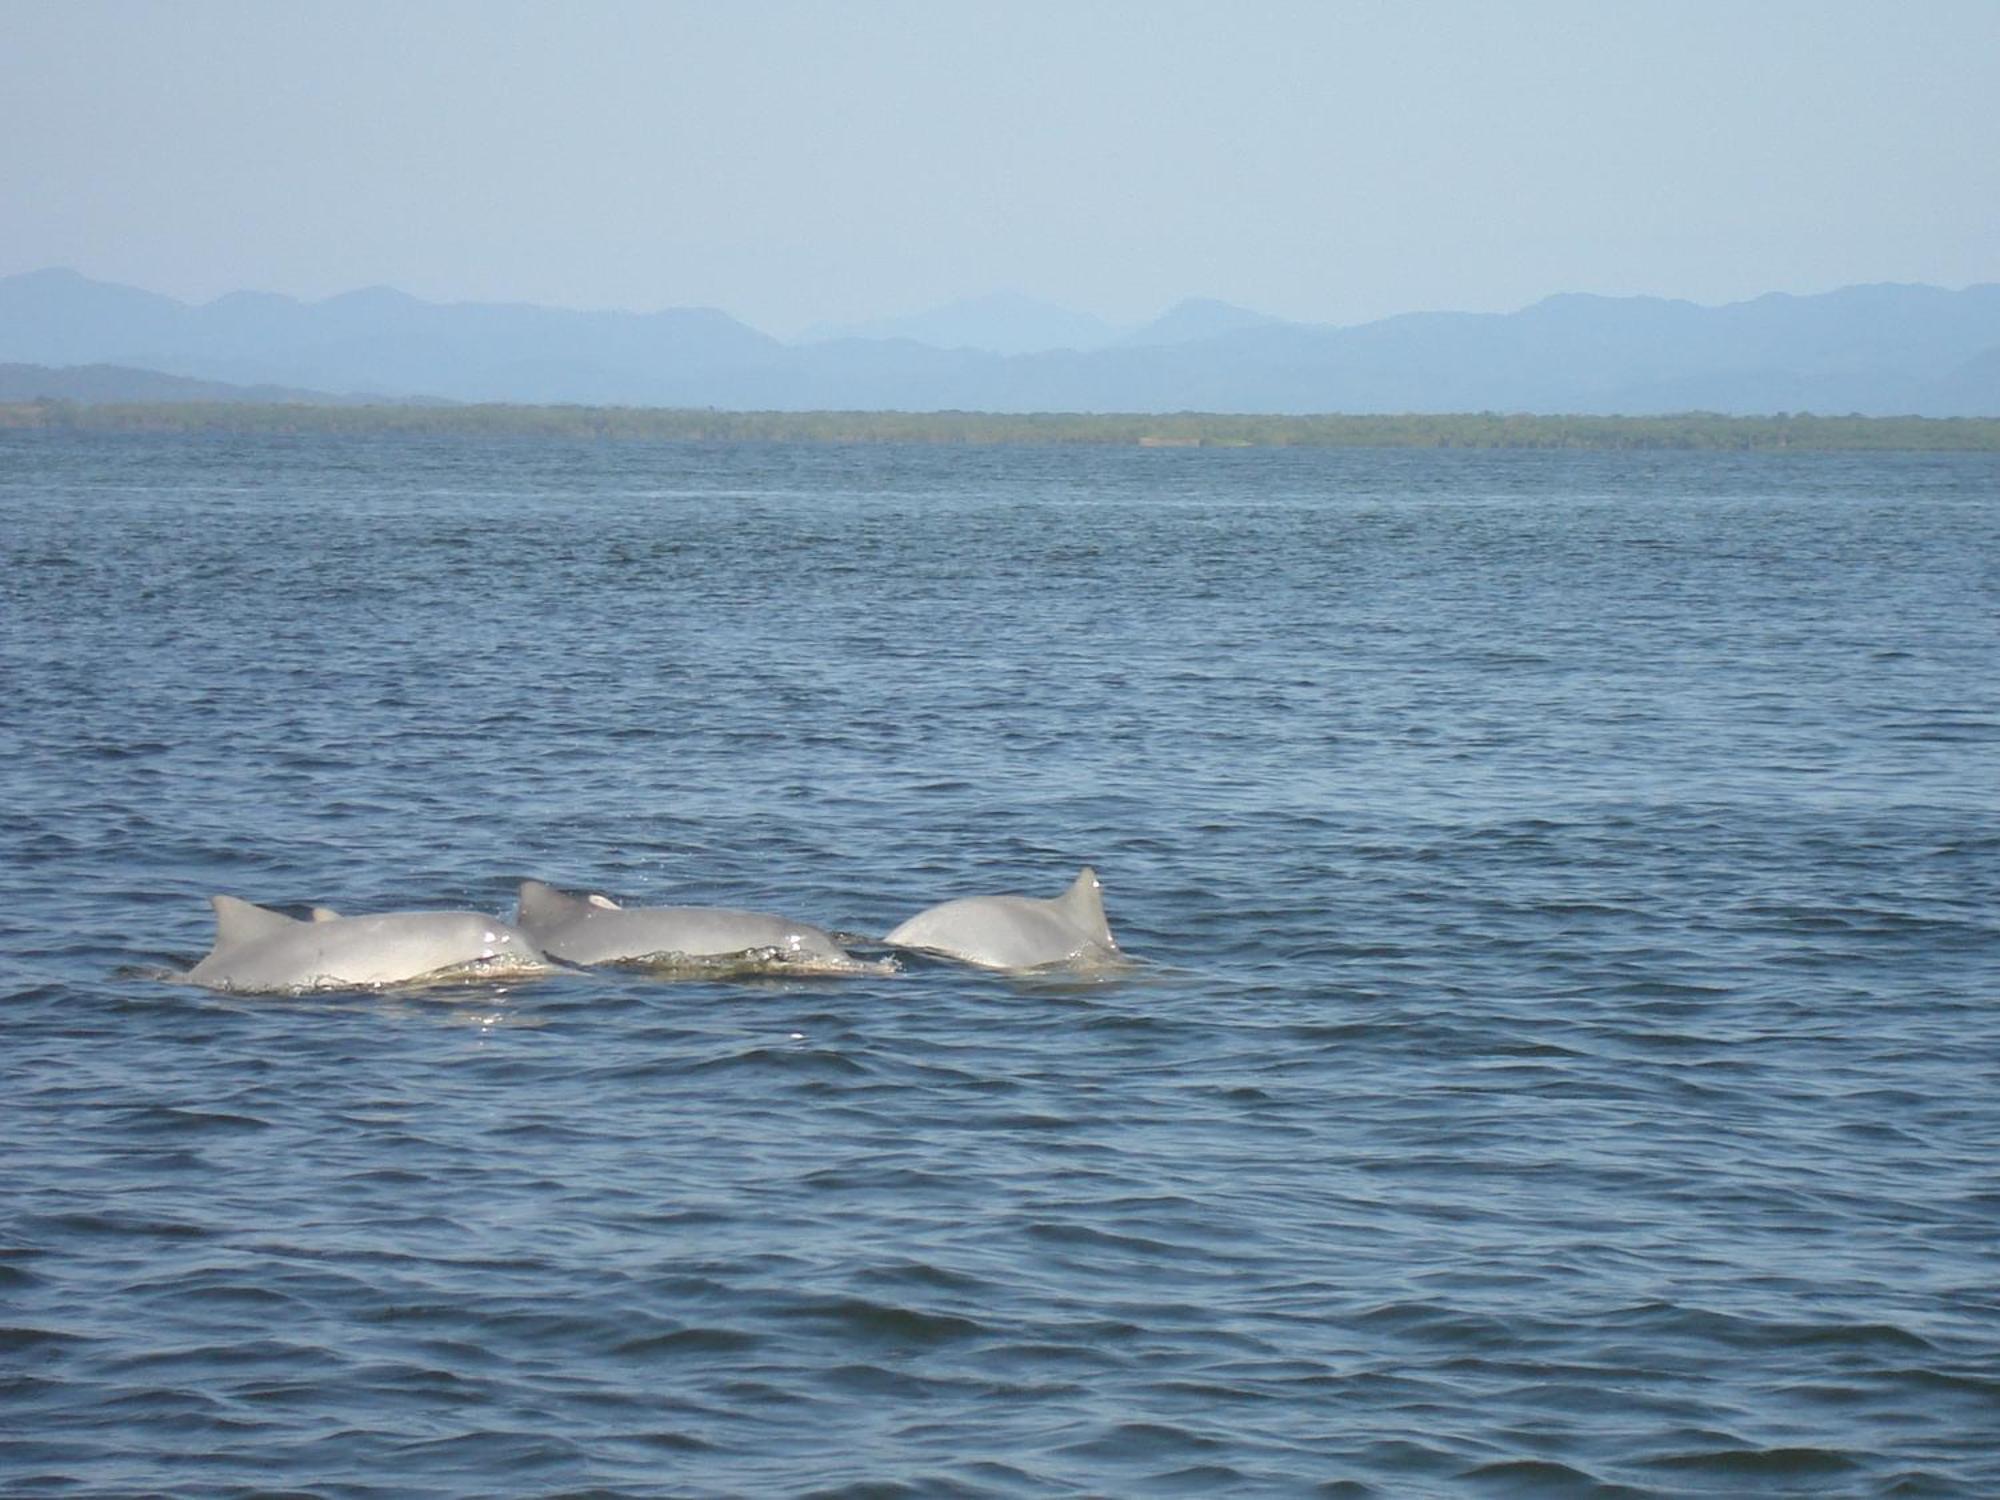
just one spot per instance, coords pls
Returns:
(1565, 1061)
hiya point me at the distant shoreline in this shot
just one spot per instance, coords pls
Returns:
(1699, 431)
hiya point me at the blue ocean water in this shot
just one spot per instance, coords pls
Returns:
(1566, 1057)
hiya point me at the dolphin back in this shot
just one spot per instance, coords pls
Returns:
(1016, 932)
(260, 951)
(595, 930)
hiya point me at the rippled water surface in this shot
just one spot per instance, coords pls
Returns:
(1565, 1062)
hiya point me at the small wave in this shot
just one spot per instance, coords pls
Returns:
(1759, 1463)
(215, 1293)
(883, 1489)
(40, 1340)
(859, 1318)
(1144, 1441)
(872, 1178)
(1211, 1391)
(696, 1341)
(177, 1119)
(1960, 1382)
(785, 1060)
(1199, 1479)
(922, 1273)
(898, 1383)
(491, 1450)
(1674, 1320)
(1542, 1476)
(1105, 1239)
(1039, 1356)
(114, 1225)
(1944, 731)
(665, 1442)
(283, 1354)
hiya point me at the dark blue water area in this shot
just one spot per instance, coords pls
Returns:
(1565, 1056)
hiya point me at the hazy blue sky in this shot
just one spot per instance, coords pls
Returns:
(790, 161)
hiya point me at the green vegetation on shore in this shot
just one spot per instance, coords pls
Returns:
(1693, 430)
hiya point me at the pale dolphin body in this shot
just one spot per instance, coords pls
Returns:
(260, 951)
(1017, 932)
(597, 930)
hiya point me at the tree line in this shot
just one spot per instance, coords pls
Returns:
(1690, 430)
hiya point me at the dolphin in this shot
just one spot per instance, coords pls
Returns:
(260, 951)
(595, 929)
(1017, 932)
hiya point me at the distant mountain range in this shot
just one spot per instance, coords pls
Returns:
(1009, 323)
(1875, 350)
(1002, 323)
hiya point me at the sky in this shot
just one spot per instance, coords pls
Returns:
(793, 163)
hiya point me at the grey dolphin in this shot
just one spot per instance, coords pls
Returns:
(261, 951)
(1017, 932)
(597, 930)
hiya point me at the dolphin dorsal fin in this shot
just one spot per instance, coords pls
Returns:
(1083, 906)
(238, 921)
(540, 902)
(604, 903)
(325, 914)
